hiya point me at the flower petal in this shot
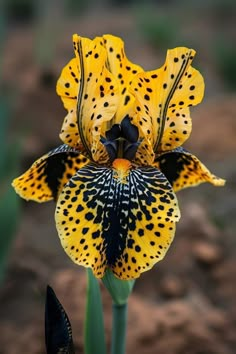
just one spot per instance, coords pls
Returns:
(123, 70)
(160, 95)
(117, 218)
(97, 97)
(182, 169)
(68, 84)
(44, 180)
(67, 88)
(178, 124)
(69, 132)
(177, 129)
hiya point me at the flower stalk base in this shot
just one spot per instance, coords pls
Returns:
(119, 324)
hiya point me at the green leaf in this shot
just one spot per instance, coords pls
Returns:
(94, 335)
(118, 289)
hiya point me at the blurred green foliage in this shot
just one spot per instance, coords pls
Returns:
(76, 7)
(225, 57)
(25, 11)
(20, 10)
(9, 201)
(159, 29)
(222, 9)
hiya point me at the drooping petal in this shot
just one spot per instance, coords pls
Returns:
(120, 217)
(123, 70)
(98, 95)
(161, 95)
(182, 169)
(44, 180)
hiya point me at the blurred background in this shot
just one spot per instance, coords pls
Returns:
(186, 304)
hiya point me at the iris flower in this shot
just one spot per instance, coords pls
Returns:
(115, 176)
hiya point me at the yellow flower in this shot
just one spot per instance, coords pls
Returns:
(116, 175)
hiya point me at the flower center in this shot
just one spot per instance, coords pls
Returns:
(121, 169)
(122, 140)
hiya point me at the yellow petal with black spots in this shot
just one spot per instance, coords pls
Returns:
(67, 88)
(122, 218)
(123, 70)
(44, 180)
(98, 95)
(177, 130)
(69, 132)
(68, 84)
(162, 93)
(182, 169)
(178, 124)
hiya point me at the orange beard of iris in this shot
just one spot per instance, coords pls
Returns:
(121, 169)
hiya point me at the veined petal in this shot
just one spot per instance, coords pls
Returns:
(160, 95)
(44, 180)
(182, 169)
(120, 217)
(98, 95)
(123, 70)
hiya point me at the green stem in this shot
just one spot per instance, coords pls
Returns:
(119, 325)
(94, 334)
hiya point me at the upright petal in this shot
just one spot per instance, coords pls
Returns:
(67, 88)
(68, 84)
(120, 217)
(97, 97)
(161, 95)
(44, 180)
(69, 132)
(123, 70)
(178, 124)
(182, 169)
